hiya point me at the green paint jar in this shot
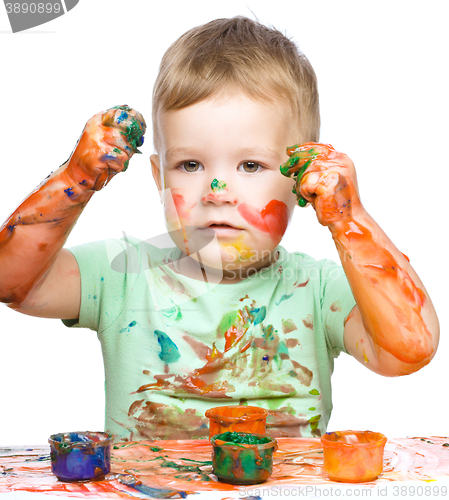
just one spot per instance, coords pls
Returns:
(242, 458)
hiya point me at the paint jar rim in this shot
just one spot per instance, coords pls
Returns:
(374, 439)
(255, 413)
(106, 439)
(272, 443)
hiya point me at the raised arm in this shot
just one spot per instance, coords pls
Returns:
(36, 277)
(394, 329)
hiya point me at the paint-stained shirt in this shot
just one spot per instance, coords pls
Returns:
(174, 346)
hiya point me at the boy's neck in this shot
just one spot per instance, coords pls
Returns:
(191, 268)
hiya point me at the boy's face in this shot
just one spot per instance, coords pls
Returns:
(218, 163)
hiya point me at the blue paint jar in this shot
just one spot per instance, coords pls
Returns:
(80, 456)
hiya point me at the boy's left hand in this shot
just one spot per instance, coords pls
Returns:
(326, 179)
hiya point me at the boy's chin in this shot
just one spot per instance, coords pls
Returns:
(226, 262)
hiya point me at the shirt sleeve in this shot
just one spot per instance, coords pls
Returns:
(88, 257)
(108, 272)
(337, 302)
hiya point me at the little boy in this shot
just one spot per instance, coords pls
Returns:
(227, 316)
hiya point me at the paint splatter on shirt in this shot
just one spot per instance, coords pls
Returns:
(174, 346)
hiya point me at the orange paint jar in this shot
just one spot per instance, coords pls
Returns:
(250, 419)
(353, 456)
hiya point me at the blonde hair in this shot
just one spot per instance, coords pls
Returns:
(237, 54)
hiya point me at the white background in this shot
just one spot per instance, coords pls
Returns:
(383, 82)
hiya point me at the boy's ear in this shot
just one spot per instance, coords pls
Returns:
(156, 171)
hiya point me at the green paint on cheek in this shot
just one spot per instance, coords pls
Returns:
(217, 185)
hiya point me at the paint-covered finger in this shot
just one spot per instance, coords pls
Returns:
(306, 189)
(116, 159)
(302, 202)
(114, 137)
(134, 132)
(130, 122)
(310, 149)
(295, 167)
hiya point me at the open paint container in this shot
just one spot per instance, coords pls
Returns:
(80, 456)
(241, 458)
(353, 456)
(250, 419)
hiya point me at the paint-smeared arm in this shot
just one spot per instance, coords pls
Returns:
(394, 329)
(36, 278)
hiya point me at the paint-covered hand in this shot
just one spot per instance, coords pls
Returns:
(325, 178)
(108, 141)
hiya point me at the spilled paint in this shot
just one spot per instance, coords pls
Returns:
(297, 462)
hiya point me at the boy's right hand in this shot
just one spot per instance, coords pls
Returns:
(107, 143)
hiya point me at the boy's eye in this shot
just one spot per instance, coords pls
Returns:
(190, 166)
(251, 166)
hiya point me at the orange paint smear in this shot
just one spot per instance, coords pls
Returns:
(34, 234)
(373, 272)
(233, 335)
(297, 462)
(379, 269)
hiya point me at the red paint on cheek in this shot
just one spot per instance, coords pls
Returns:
(180, 205)
(272, 219)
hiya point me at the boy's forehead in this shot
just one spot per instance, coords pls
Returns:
(253, 127)
(181, 151)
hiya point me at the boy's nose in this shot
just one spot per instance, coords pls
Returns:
(217, 192)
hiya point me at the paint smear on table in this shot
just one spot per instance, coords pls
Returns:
(185, 466)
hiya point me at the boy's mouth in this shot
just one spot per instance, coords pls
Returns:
(216, 224)
(222, 228)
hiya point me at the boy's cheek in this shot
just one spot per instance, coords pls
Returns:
(272, 219)
(176, 207)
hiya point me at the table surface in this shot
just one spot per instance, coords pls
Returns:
(179, 469)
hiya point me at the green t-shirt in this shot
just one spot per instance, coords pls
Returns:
(174, 346)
